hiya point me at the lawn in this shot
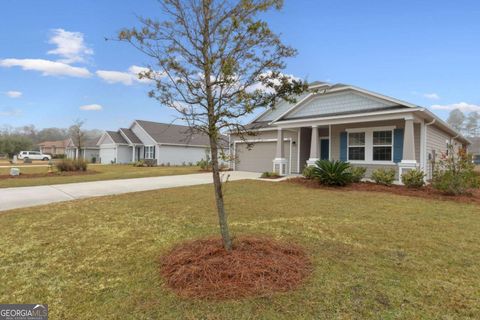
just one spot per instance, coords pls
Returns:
(375, 255)
(104, 172)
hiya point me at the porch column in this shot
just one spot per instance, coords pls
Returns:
(280, 162)
(408, 157)
(133, 153)
(408, 142)
(314, 147)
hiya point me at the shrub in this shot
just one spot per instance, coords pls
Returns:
(59, 156)
(94, 160)
(308, 172)
(71, 165)
(413, 178)
(204, 164)
(454, 173)
(357, 173)
(269, 175)
(383, 176)
(332, 173)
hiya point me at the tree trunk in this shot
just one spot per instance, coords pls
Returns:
(217, 185)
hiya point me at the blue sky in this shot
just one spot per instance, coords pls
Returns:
(425, 52)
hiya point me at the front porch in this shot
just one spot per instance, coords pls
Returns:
(389, 143)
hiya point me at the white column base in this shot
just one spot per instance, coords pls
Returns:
(280, 166)
(311, 161)
(404, 166)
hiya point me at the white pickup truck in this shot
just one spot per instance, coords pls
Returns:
(34, 155)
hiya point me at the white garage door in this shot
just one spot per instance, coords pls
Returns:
(107, 155)
(260, 157)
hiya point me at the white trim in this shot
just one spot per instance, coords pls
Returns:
(292, 108)
(145, 152)
(369, 145)
(298, 149)
(351, 118)
(262, 140)
(138, 124)
(330, 142)
(423, 146)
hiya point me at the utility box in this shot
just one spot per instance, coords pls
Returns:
(14, 171)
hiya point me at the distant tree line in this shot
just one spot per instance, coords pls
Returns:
(15, 139)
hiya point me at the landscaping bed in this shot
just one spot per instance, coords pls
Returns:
(255, 267)
(423, 192)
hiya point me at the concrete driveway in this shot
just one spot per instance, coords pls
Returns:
(13, 198)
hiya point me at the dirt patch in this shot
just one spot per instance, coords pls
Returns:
(255, 267)
(426, 192)
(46, 174)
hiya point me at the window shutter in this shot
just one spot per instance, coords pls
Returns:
(144, 151)
(343, 146)
(397, 145)
(153, 152)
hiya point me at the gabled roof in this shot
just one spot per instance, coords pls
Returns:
(131, 136)
(87, 143)
(116, 137)
(164, 133)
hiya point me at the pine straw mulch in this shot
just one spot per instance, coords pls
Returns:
(46, 174)
(425, 192)
(256, 266)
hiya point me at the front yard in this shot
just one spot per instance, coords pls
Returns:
(375, 255)
(99, 172)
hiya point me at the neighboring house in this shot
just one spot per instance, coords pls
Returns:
(164, 143)
(53, 147)
(343, 122)
(89, 150)
(474, 149)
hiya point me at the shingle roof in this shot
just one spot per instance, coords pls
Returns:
(117, 137)
(57, 143)
(130, 135)
(87, 143)
(173, 134)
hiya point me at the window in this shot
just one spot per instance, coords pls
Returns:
(149, 152)
(382, 145)
(356, 146)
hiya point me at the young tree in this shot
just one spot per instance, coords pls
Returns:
(77, 134)
(456, 118)
(215, 61)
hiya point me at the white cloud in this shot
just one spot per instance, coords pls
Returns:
(462, 106)
(127, 78)
(431, 96)
(47, 67)
(10, 112)
(13, 94)
(71, 46)
(91, 107)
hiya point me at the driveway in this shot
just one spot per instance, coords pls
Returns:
(21, 197)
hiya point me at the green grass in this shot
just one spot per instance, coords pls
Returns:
(105, 172)
(375, 256)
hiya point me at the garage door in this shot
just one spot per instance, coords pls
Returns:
(260, 157)
(107, 155)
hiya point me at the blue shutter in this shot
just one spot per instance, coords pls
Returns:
(397, 145)
(343, 146)
(154, 152)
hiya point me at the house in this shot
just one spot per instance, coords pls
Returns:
(89, 151)
(161, 142)
(343, 122)
(474, 149)
(53, 148)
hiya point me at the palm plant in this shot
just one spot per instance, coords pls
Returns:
(332, 173)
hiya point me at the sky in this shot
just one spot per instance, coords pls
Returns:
(56, 67)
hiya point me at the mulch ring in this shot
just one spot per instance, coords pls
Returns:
(46, 174)
(425, 192)
(255, 267)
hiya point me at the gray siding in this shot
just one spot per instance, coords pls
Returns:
(436, 140)
(340, 102)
